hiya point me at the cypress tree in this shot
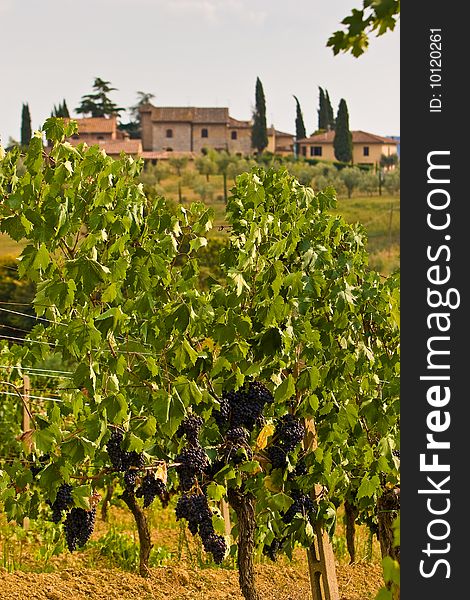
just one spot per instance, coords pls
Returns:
(26, 132)
(65, 110)
(259, 132)
(342, 142)
(322, 111)
(329, 112)
(300, 132)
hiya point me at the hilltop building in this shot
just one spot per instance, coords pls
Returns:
(104, 132)
(192, 129)
(367, 147)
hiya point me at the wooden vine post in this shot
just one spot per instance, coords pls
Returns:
(321, 560)
(26, 423)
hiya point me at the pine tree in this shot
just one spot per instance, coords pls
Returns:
(330, 113)
(99, 104)
(322, 111)
(259, 132)
(26, 132)
(300, 132)
(342, 142)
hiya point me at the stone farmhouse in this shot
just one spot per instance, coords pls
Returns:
(367, 147)
(192, 129)
(104, 132)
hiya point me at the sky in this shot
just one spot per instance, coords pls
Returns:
(194, 53)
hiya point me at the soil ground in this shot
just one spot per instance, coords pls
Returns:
(103, 569)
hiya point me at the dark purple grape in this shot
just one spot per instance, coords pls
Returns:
(193, 462)
(278, 457)
(271, 550)
(150, 488)
(62, 502)
(190, 427)
(79, 525)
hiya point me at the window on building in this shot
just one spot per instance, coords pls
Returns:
(169, 133)
(234, 135)
(315, 150)
(304, 150)
(204, 133)
(100, 137)
(365, 151)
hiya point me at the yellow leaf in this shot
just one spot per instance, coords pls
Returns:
(161, 472)
(208, 343)
(263, 436)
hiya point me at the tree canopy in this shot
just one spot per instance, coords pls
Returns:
(259, 133)
(99, 104)
(342, 143)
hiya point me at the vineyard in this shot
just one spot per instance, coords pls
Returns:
(173, 429)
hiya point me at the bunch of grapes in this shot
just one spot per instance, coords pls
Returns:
(235, 439)
(396, 453)
(302, 504)
(78, 526)
(243, 407)
(62, 502)
(195, 509)
(120, 459)
(271, 550)
(289, 433)
(150, 487)
(130, 478)
(278, 457)
(193, 462)
(190, 427)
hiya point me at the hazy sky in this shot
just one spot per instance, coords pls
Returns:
(193, 52)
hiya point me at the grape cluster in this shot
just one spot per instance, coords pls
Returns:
(289, 432)
(190, 427)
(243, 407)
(120, 459)
(62, 502)
(130, 478)
(302, 504)
(396, 453)
(278, 457)
(235, 439)
(195, 509)
(150, 487)
(192, 463)
(78, 526)
(271, 550)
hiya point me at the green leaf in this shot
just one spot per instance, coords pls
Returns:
(285, 390)
(81, 496)
(215, 491)
(368, 487)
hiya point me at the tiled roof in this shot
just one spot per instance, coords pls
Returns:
(272, 130)
(189, 114)
(358, 137)
(237, 124)
(96, 125)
